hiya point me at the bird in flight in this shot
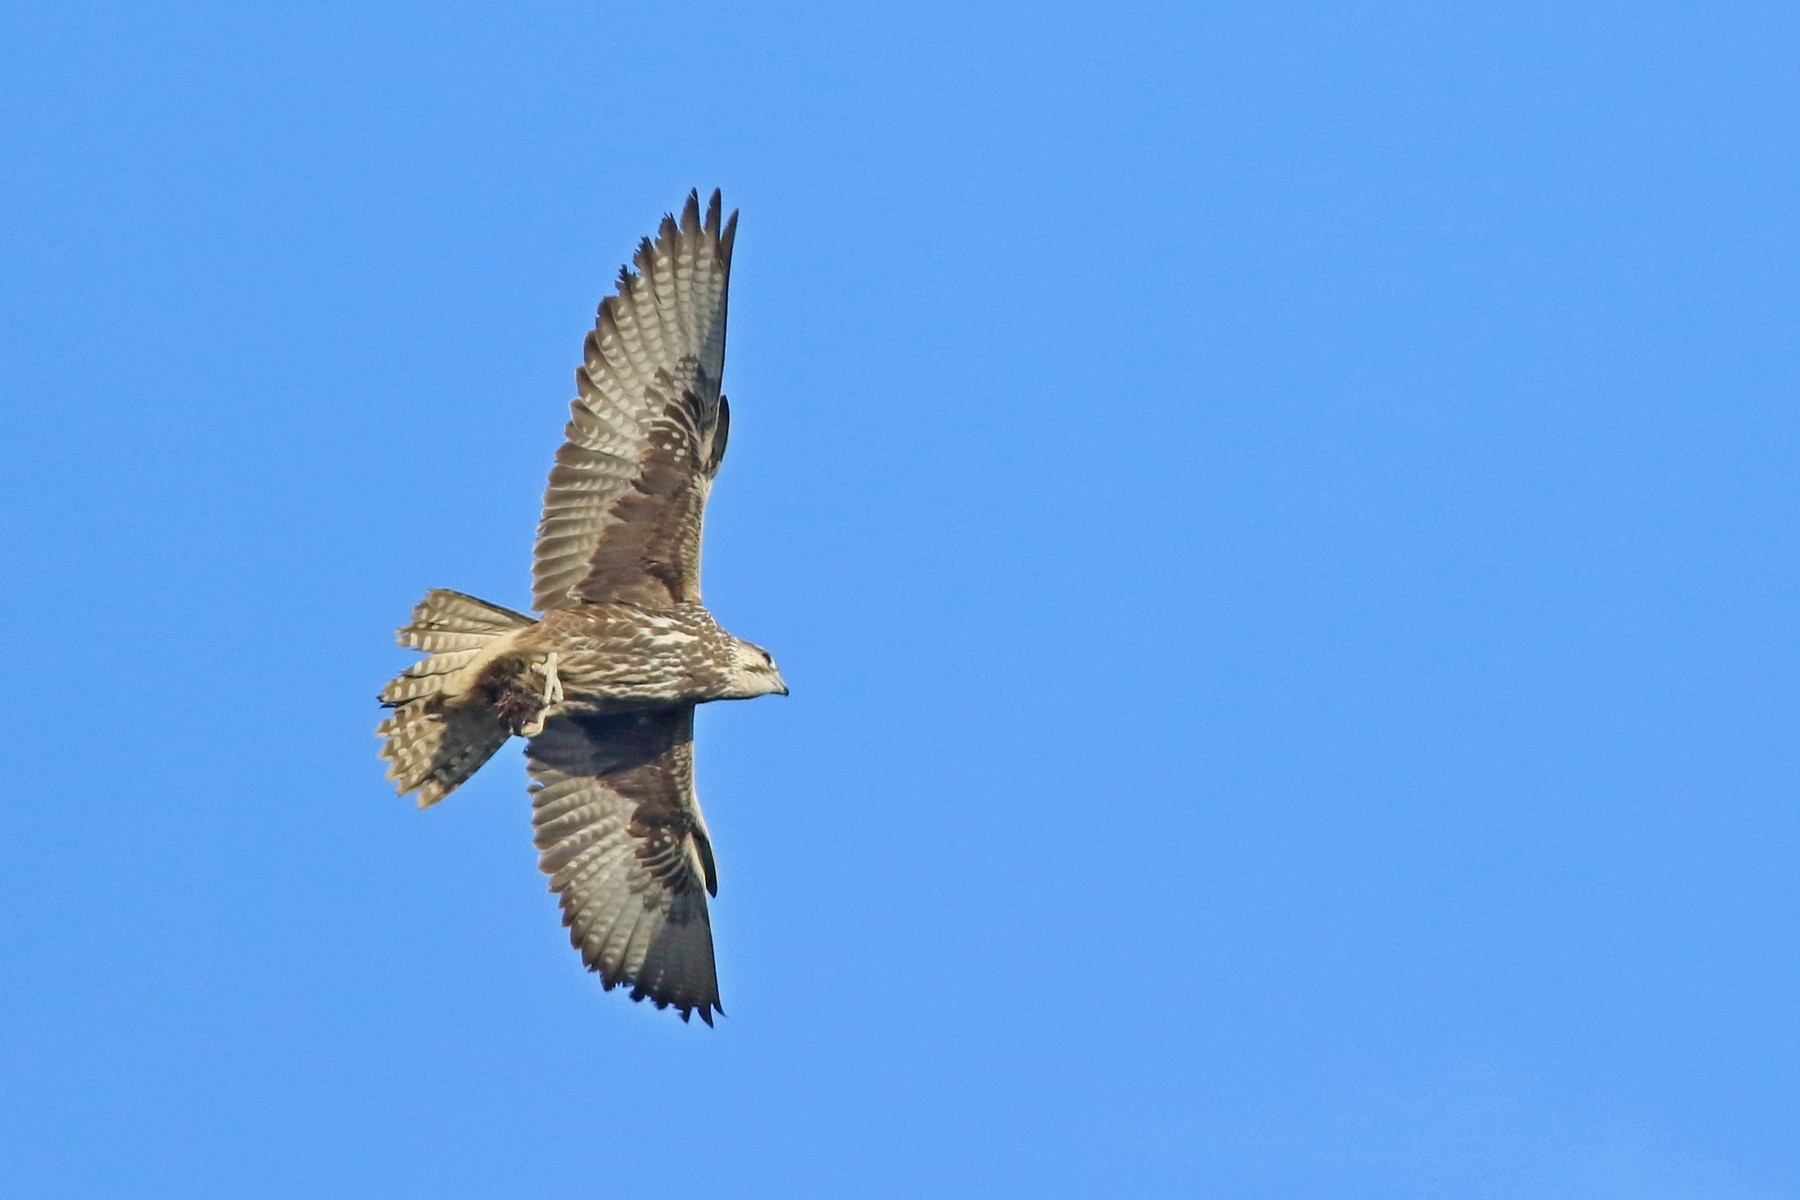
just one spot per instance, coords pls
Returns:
(603, 685)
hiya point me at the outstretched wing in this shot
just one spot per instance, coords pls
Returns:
(626, 498)
(620, 834)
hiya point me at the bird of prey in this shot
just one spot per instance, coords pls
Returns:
(603, 685)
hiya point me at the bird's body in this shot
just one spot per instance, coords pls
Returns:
(604, 684)
(612, 658)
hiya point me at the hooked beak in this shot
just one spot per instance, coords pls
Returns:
(783, 683)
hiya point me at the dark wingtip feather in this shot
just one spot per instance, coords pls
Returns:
(690, 213)
(727, 237)
(712, 215)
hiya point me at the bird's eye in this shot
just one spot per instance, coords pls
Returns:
(768, 658)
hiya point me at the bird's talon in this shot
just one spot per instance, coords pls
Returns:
(553, 690)
(553, 695)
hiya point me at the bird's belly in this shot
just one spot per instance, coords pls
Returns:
(600, 684)
(615, 658)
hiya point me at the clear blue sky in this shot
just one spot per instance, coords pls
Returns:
(1280, 520)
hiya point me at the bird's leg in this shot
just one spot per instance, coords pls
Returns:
(553, 695)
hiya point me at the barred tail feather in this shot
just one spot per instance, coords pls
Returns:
(447, 620)
(432, 745)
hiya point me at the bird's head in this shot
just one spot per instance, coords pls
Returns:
(753, 672)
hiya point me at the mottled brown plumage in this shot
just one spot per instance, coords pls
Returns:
(604, 684)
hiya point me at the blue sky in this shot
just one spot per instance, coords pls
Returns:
(1279, 518)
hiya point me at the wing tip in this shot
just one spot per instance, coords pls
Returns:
(644, 260)
(727, 237)
(720, 234)
(686, 1007)
(671, 228)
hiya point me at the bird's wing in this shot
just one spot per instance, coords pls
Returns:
(620, 834)
(646, 434)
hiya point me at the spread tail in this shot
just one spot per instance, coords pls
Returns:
(433, 744)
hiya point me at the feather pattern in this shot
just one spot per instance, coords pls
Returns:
(627, 496)
(620, 835)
